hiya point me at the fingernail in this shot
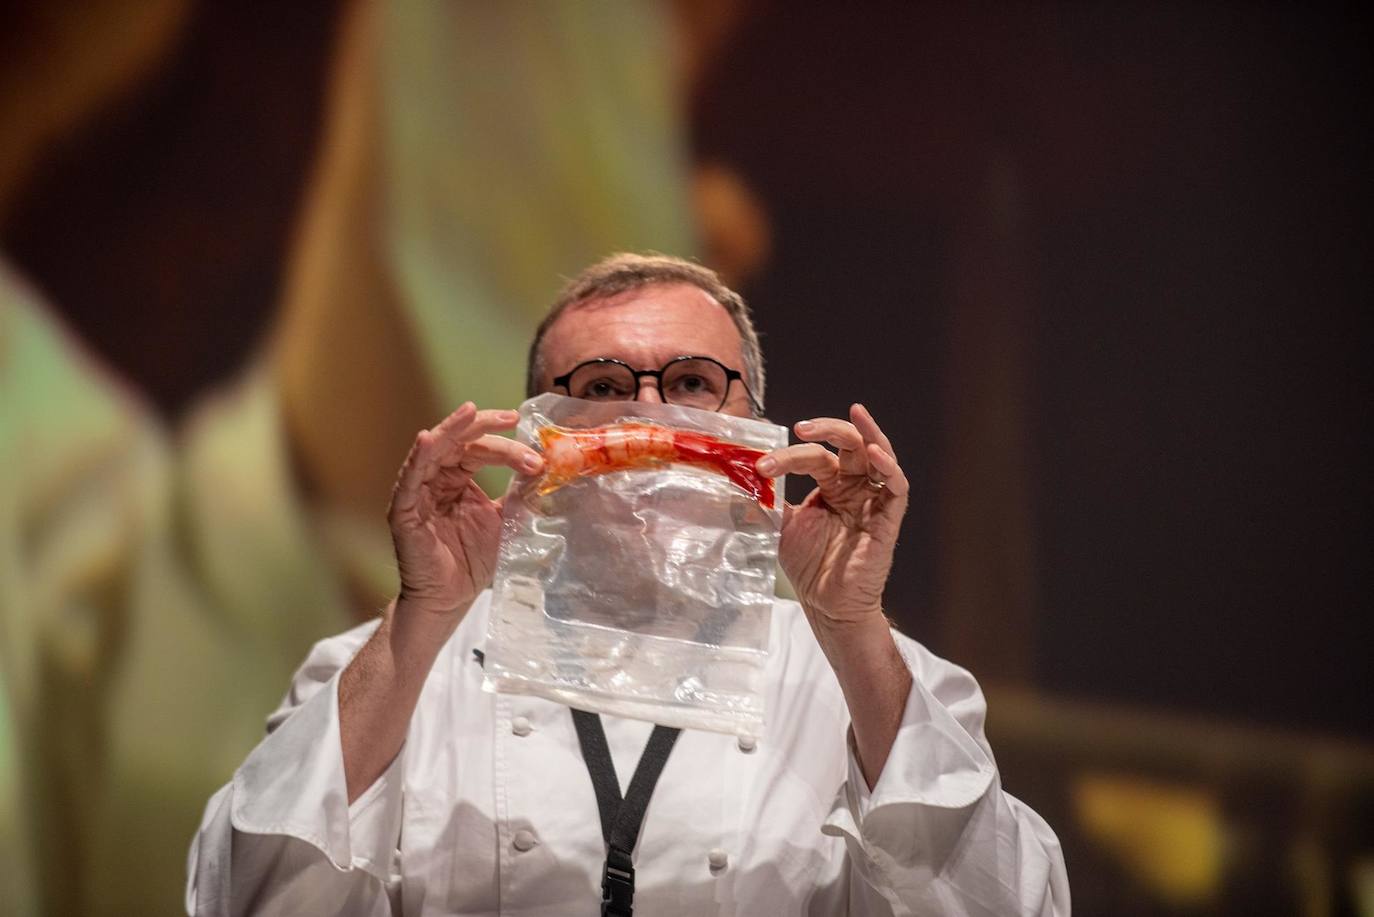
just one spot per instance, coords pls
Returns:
(805, 426)
(510, 415)
(768, 465)
(530, 463)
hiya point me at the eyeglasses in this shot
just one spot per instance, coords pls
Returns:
(690, 382)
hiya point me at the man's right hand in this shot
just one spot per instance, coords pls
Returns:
(445, 529)
(446, 532)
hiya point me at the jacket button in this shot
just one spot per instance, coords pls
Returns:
(747, 744)
(718, 858)
(521, 726)
(524, 840)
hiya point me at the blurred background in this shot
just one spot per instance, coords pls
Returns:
(1098, 269)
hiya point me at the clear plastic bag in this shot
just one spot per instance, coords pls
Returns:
(636, 573)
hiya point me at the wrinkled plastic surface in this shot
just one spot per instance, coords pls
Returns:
(638, 586)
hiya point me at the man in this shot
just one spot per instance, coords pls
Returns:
(390, 783)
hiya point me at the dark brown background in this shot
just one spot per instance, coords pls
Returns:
(1191, 200)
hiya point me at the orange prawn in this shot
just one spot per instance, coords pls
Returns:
(571, 454)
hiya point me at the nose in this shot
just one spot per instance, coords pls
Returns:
(647, 390)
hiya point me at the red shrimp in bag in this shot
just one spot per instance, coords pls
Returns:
(571, 454)
(647, 594)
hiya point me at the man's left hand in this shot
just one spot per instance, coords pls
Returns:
(837, 550)
(837, 543)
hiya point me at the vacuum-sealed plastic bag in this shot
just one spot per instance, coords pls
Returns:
(636, 572)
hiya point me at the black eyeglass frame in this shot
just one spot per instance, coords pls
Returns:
(731, 375)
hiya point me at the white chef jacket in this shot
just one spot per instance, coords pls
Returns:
(489, 809)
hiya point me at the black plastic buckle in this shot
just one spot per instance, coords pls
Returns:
(618, 885)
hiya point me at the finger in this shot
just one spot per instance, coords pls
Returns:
(425, 453)
(455, 431)
(434, 446)
(498, 450)
(460, 417)
(451, 452)
(809, 459)
(869, 429)
(414, 470)
(840, 434)
(888, 471)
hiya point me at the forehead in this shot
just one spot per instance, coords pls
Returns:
(645, 327)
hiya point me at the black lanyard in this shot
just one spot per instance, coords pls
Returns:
(620, 818)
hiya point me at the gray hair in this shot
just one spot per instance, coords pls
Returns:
(622, 272)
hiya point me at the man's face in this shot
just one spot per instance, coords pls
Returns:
(646, 328)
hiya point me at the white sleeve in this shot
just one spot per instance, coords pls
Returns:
(937, 835)
(281, 838)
